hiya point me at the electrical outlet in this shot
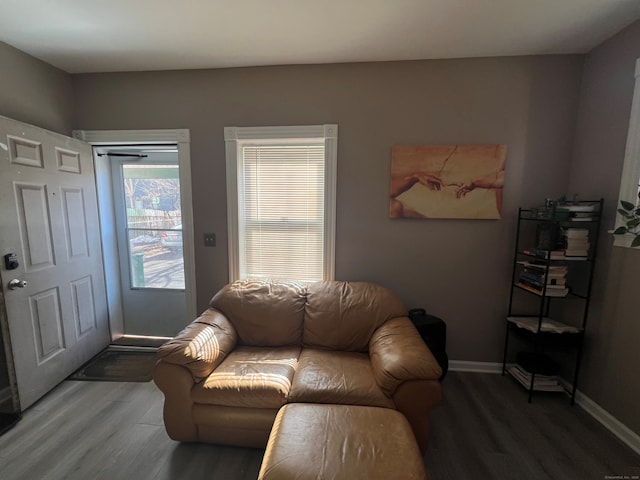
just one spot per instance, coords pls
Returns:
(209, 239)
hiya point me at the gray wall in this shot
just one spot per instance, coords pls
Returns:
(457, 269)
(609, 375)
(34, 92)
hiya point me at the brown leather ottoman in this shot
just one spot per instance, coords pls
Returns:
(341, 442)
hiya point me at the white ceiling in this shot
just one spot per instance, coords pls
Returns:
(121, 35)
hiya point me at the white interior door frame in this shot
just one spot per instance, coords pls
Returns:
(181, 138)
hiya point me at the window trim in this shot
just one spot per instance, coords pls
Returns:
(235, 137)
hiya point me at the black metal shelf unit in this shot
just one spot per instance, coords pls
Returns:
(542, 272)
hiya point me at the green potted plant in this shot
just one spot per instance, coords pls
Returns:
(631, 215)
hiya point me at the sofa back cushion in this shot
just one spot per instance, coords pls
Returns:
(264, 313)
(344, 315)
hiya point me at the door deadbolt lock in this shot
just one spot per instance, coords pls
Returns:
(11, 261)
(15, 283)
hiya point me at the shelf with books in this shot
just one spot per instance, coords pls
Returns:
(543, 279)
(541, 383)
(544, 324)
(537, 372)
(542, 291)
(553, 255)
(553, 260)
(551, 340)
(550, 292)
(570, 213)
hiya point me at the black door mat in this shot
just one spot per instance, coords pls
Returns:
(118, 366)
(8, 421)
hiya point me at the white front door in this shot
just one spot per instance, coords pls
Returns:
(56, 307)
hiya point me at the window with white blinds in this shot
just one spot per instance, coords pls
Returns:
(283, 224)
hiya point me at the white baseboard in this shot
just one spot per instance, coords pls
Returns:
(616, 427)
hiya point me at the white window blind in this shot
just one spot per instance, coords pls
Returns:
(281, 211)
(281, 201)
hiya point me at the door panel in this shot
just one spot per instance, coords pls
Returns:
(47, 324)
(84, 312)
(58, 321)
(23, 151)
(74, 222)
(33, 215)
(68, 160)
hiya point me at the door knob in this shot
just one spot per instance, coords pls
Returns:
(15, 283)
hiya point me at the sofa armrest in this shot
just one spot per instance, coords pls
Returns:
(398, 354)
(415, 400)
(176, 383)
(202, 345)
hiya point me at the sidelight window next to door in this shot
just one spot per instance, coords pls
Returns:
(153, 225)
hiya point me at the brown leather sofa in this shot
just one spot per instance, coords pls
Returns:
(262, 345)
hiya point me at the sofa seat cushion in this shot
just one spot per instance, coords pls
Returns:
(254, 377)
(325, 376)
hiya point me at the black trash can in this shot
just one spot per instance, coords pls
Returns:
(433, 331)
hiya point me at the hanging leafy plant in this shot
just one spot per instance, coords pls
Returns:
(631, 215)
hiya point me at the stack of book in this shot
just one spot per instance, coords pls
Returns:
(542, 383)
(543, 369)
(544, 324)
(577, 242)
(538, 278)
(581, 212)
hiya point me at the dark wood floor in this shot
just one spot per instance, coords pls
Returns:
(487, 430)
(484, 430)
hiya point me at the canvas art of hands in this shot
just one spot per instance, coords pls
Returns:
(452, 181)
